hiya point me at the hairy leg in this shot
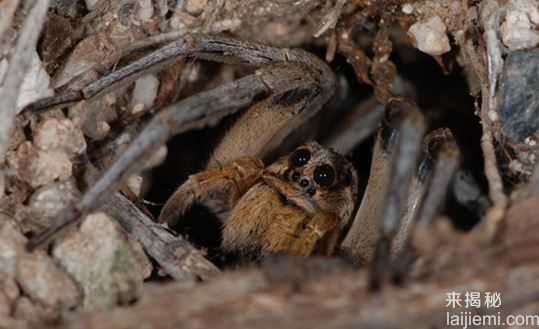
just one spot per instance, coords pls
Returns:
(218, 188)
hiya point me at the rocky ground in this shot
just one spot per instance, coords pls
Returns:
(119, 270)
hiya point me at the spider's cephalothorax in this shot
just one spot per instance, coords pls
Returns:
(297, 205)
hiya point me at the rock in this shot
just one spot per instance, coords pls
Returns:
(68, 8)
(519, 29)
(2, 184)
(145, 265)
(36, 273)
(11, 245)
(49, 200)
(34, 313)
(94, 115)
(46, 203)
(157, 158)
(519, 100)
(44, 282)
(94, 50)
(407, 8)
(35, 84)
(5, 305)
(145, 91)
(145, 10)
(59, 135)
(91, 4)
(430, 36)
(9, 287)
(182, 21)
(37, 167)
(195, 7)
(3, 68)
(135, 182)
(9, 292)
(100, 259)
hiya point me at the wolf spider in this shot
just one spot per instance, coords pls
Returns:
(300, 204)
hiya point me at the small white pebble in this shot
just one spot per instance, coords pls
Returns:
(137, 108)
(529, 141)
(430, 36)
(35, 84)
(156, 158)
(195, 7)
(145, 11)
(519, 29)
(91, 4)
(104, 127)
(408, 8)
(493, 116)
(145, 92)
(134, 183)
(2, 184)
(3, 68)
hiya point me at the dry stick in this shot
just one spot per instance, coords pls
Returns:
(18, 66)
(496, 214)
(490, 13)
(493, 222)
(176, 256)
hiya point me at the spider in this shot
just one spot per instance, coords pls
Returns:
(296, 205)
(303, 203)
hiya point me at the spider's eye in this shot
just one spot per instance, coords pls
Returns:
(324, 175)
(300, 157)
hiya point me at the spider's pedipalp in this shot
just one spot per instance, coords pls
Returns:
(218, 188)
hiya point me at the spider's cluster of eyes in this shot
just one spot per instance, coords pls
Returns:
(324, 175)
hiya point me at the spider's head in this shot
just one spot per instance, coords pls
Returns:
(323, 176)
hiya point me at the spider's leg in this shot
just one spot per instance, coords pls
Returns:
(196, 111)
(205, 109)
(403, 165)
(402, 119)
(215, 48)
(436, 169)
(218, 188)
(441, 146)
